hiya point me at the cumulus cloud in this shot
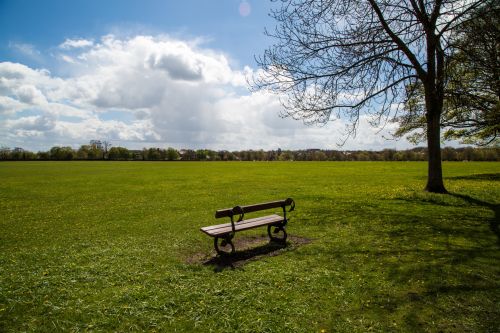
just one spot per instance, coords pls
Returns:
(152, 90)
(32, 123)
(178, 68)
(9, 105)
(29, 94)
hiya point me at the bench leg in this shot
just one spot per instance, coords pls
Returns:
(277, 229)
(225, 241)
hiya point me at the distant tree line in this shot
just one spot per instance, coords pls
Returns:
(94, 152)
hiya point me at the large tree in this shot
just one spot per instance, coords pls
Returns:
(471, 108)
(339, 58)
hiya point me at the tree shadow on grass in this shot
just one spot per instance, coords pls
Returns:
(445, 287)
(440, 264)
(479, 176)
(495, 221)
(457, 270)
(249, 252)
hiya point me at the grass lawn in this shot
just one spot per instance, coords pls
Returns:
(109, 246)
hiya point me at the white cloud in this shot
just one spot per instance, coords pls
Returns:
(9, 105)
(177, 67)
(67, 58)
(29, 94)
(75, 43)
(32, 123)
(152, 90)
(26, 49)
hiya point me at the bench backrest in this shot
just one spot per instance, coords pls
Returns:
(228, 212)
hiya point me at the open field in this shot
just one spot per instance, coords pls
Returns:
(116, 246)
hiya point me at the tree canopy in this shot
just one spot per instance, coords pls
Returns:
(471, 109)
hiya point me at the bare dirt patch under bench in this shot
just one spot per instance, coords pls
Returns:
(248, 248)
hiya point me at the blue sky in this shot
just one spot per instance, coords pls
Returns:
(45, 24)
(147, 73)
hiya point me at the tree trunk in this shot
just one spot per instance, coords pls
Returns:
(434, 98)
(434, 171)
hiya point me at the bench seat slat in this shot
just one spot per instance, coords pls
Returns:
(221, 229)
(241, 223)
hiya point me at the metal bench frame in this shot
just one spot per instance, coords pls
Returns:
(223, 239)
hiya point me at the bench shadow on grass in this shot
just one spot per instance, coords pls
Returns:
(251, 249)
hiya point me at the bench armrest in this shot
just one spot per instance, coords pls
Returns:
(236, 211)
(290, 202)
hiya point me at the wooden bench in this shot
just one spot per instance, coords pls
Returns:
(225, 232)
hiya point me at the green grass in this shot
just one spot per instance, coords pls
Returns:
(105, 247)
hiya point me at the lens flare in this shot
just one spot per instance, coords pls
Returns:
(245, 8)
